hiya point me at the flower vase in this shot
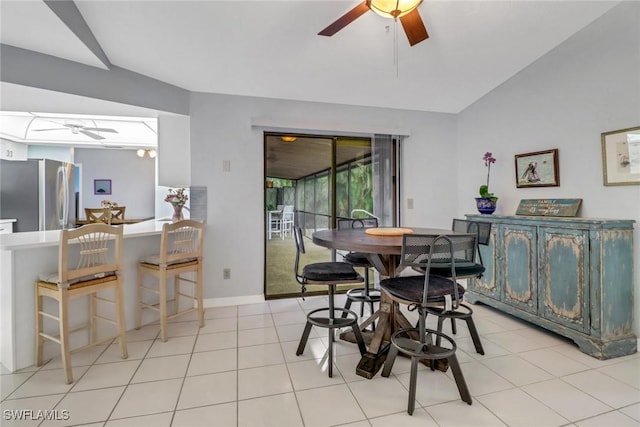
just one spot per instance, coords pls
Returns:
(177, 214)
(485, 205)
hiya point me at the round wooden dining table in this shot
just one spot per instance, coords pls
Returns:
(383, 250)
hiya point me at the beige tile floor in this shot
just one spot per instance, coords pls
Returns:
(241, 370)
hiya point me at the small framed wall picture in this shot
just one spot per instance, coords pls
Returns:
(621, 157)
(538, 169)
(101, 186)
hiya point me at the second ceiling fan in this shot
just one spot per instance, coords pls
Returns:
(405, 10)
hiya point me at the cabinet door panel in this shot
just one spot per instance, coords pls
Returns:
(487, 284)
(519, 267)
(564, 277)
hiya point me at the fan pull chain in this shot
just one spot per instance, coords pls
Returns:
(395, 46)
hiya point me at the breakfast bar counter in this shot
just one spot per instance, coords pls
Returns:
(23, 256)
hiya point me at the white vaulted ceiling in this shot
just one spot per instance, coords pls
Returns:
(271, 48)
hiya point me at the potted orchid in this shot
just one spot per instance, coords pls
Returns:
(178, 198)
(486, 203)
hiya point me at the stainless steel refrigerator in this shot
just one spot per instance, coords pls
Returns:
(38, 193)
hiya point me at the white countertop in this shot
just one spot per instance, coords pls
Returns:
(2, 221)
(38, 239)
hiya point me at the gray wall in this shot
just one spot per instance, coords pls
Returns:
(221, 130)
(588, 85)
(132, 180)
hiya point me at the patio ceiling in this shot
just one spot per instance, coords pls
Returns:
(308, 155)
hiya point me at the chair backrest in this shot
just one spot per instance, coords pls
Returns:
(344, 223)
(181, 240)
(91, 250)
(118, 212)
(297, 236)
(98, 215)
(287, 213)
(481, 229)
(422, 251)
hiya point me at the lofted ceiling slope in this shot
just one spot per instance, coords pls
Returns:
(271, 48)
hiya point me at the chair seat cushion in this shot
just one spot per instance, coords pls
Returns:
(463, 268)
(411, 288)
(329, 271)
(155, 260)
(358, 259)
(55, 277)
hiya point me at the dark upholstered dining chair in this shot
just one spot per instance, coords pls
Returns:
(467, 268)
(329, 274)
(429, 294)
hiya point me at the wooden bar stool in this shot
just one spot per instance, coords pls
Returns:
(95, 250)
(180, 253)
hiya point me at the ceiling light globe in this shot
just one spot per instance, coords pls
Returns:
(140, 153)
(152, 154)
(393, 8)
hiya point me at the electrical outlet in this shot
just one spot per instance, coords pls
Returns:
(409, 203)
(226, 273)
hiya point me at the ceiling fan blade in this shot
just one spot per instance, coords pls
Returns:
(345, 20)
(414, 27)
(102, 130)
(92, 135)
(40, 130)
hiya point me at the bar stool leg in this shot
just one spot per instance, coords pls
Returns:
(140, 298)
(120, 319)
(163, 305)
(176, 293)
(63, 318)
(474, 335)
(412, 385)
(39, 325)
(304, 338)
(199, 294)
(391, 358)
(460, 382)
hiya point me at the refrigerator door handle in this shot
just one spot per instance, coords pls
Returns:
(63, 193)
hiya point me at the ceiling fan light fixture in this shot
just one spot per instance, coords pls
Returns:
(393, 8)
(287, 138)
(152, 153)
(140, 152)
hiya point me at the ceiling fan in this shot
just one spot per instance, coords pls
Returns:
(79, 128)
(406, 10)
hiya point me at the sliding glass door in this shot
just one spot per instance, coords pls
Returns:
(329, 177)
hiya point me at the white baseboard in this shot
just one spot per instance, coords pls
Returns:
(223, 302)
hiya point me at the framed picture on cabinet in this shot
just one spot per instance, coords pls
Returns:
(101, 186)
(621, 157)
(538, 169)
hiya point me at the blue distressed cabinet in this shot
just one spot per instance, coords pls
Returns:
(573, 276)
